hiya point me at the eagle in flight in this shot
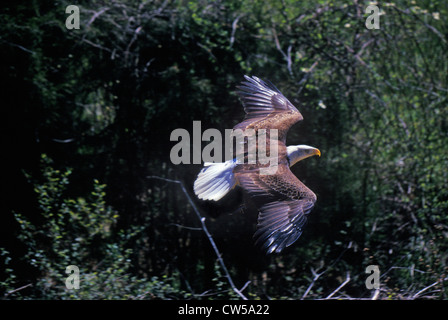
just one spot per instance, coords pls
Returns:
(283, 201)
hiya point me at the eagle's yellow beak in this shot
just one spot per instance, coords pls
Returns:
(300, 152)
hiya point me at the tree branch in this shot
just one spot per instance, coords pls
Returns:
(347, 280)
(209, 236)
(316, 276)
(287, 56)
(18, 289)
(234, 26)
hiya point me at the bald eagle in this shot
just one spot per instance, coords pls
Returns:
(283, 201)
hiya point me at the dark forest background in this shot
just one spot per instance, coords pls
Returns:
(86, 118)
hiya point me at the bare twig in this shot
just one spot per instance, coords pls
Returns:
(316, 276)
(209, 236)
(279, 48)
(96, 45)
(96, 15)
(185, 227)
(305, 78)
(18, 46)
(426, 288)
(234, 26)
(411, 269)
(18, 289)
(376, 294)
(208, 50)
(131, 42)
(347, 280)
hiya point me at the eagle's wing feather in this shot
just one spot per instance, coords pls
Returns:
(284, 203)
(262, 97)
(266, 107)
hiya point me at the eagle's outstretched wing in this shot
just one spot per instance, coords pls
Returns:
(284, 203)
(266, 107)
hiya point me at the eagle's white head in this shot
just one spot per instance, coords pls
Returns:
(300, 152)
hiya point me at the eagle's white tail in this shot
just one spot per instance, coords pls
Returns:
(215, 180)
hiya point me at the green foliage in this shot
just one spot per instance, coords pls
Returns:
(80, 232)
(7, 284)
